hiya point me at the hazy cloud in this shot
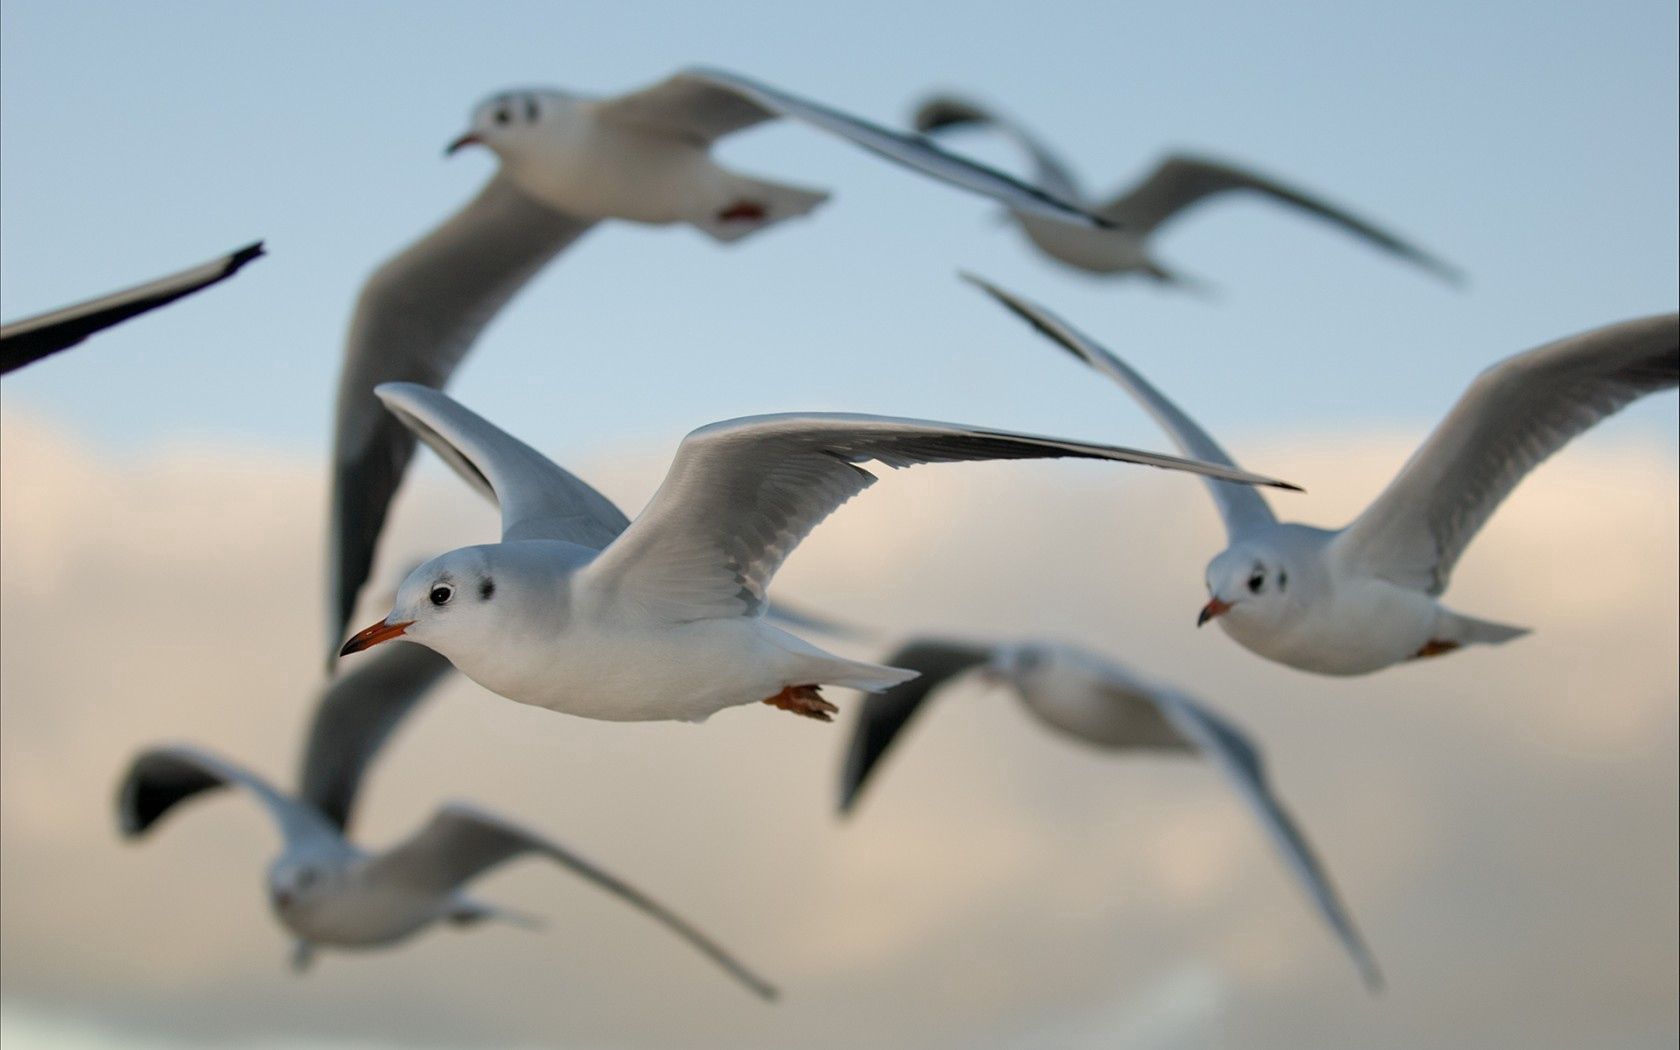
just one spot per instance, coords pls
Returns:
(1502, 822)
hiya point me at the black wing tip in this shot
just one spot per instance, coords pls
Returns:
(240, 257)
(943, 111)
(1027, 311)
(848, 801)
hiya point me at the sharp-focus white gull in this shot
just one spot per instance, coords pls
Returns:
(1357, 599)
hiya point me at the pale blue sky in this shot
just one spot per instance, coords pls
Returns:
(1534, 145)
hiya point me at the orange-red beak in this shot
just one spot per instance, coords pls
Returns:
(1209, 611)
(469, 139)
(369, 637)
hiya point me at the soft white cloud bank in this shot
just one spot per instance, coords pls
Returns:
(1501, 821)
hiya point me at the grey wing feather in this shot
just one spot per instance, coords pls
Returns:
(949, 111)
(461, 843)
(1514, 415)
(1182, 181)
(1242, 508)
(416, 318)
(354, 717)
(28, 340)
(686, 106)
(883, 716)
(741, 494)
(161, 778)
(538, 498)
(1231, 751)
(695, 100)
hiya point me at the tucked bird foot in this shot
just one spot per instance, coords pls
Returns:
(1434, 647)
(744, 211)
(804, 700)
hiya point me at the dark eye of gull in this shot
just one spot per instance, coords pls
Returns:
(442, 593)
(1257, 582)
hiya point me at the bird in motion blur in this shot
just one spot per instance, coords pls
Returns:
(1177, 184)
(28, 340)
(1084, 696)
(663, 618)
(566, 162)
(1358, 599)
(325, 890)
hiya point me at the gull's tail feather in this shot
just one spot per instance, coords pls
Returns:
(870, 678)
(1467, 630)
(754, 204)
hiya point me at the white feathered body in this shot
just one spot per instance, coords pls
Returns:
(1073, 694)
(554, 643)
(1085, 247)
(1338, 619)
(357, 910)
(604, 170)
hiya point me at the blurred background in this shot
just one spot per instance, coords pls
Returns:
(1501, 822)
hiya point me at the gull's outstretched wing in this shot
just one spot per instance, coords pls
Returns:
(800, 618)
(538, 499)
(741, 494)
(461, 843)
(356, 714)
(1242, 508)
(1182, 181)
(949, 111)
(1231, 751)
(415, 320)
(1514, 415)
(161, 777)
(884, 715)
(27, 341)
(703, 104)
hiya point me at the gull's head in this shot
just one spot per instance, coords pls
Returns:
(1015, 664)
(505, 123)
(448, 603)
(296, 885)
(1248, 583)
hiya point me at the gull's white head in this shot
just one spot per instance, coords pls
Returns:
(1015, 664)
(297, 884)
(481, 606)
(1249, 583)
(506, 121)
(448, 603)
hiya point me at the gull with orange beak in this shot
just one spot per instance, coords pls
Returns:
(578, 611)
(1357, 599)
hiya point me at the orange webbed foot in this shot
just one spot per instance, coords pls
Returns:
(804, 700)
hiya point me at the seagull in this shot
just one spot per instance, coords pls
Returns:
(663, 619)
(1178, 183)
(1089, 698)
(27, 341)
(326, 891)
(1358, 599)
(567, 162)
